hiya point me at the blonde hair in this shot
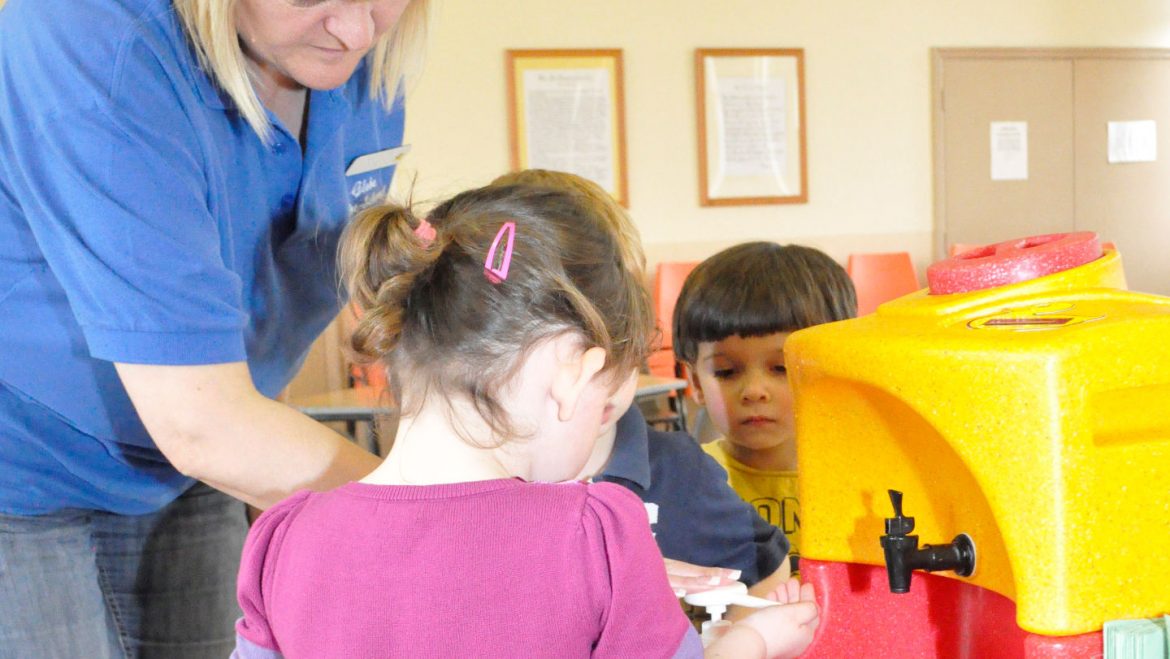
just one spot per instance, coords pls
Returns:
(445, 331)
(601, 202)
(211, 28)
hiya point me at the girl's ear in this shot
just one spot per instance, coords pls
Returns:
(696, 387)
(573, 376)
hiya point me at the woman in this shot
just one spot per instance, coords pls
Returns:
(174, 176)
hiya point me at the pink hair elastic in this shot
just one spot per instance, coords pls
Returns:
(495, 266)
(425, 232)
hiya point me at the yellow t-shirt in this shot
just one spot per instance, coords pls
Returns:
(771, 493)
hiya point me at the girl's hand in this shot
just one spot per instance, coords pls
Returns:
(787, 630)
(686, 578)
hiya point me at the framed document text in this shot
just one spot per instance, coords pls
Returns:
(566, 113)
(750, 108)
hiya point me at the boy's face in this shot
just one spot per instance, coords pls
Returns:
(744, 386)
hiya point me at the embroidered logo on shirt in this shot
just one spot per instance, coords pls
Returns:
(367, 192)
(362, 186)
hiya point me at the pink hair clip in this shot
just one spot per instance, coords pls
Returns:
(425, 232)
(495, 266)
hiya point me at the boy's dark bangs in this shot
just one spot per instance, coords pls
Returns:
(750, 311)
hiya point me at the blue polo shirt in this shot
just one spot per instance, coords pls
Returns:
(695, 515)
(143, 221)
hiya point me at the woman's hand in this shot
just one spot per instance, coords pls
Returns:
(687, 578)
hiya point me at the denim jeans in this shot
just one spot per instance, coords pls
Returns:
(83, 583)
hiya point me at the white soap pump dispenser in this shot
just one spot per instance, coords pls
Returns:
(715, 603)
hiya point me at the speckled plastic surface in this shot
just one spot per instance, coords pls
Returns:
(938, 618)
(1032, 417)
(1011, 262)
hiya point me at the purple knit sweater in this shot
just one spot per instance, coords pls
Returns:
(498, 568)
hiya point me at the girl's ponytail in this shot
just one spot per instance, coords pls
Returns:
(446, 321)
(381, 257)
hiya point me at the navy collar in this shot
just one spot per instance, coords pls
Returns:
(630, 459)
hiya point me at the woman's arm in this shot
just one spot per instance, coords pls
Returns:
(213, 425)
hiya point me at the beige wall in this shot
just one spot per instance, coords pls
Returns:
(867, 88)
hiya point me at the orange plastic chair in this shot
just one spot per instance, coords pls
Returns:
(881, 277)
(668, 282)
(361, 375)
(368, 375)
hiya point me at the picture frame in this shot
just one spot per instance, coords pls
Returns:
(751, 126)
(566, 112)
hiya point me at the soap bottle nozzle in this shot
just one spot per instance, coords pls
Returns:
(715, 602)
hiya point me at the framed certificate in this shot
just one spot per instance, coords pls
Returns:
(566, 113)
(750, 108)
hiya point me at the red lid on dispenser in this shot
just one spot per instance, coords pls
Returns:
(1012, 261)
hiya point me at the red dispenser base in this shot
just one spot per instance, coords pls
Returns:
(940, 617)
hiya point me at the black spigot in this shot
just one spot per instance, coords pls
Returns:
(903, 555)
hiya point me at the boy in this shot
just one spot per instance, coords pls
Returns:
(695, 516)
(698, 520)
(732, 318)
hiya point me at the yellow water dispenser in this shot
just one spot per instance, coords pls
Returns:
(1023, 401)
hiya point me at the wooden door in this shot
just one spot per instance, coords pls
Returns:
(1126, 203)
(972, 90)
(1068, 97)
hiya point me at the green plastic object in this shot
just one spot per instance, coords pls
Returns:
(1136, 639)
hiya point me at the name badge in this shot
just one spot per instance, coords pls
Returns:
(376, 160)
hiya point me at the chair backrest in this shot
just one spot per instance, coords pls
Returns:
(360, 375)
(368, 375)
(668, 283)
(881, 277)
